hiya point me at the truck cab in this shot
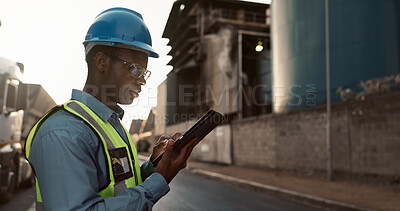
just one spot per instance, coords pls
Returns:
(14, 169)
(10, 115)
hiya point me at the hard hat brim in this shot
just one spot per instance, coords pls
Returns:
(114, 42)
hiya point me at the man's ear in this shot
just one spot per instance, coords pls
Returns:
(101, 61)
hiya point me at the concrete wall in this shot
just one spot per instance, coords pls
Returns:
(365, 138)
(215, 147)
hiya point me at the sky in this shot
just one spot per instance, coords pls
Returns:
(47, 35)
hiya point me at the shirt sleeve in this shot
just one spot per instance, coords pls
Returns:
(147, 169)
(66, 169)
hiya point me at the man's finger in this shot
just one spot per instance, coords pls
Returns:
(194, 142)
(163, 138)
(169, 149)
(187, 149)
(176, 136)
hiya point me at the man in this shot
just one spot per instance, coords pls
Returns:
(83, 157)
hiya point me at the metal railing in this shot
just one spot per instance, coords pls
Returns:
(240, 15)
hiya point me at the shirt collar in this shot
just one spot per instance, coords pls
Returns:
(119, 111)
(96, 106)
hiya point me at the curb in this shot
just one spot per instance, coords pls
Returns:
(285, 193)
(296, 196)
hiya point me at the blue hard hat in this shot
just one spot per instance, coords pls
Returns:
(123, 26)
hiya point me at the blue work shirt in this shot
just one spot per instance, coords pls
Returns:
(70, 164)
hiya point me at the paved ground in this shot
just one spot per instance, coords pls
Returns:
(195, 192)
(336, 195)
(23, 200)
(191, 192)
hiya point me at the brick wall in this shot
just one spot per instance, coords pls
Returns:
(254, 141)
(365, 138)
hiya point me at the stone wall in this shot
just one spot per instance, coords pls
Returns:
(365, 138)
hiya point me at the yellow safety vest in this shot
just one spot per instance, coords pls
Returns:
(112, 143)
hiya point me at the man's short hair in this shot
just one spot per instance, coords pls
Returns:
(90, 57)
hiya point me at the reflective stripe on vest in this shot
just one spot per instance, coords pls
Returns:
(110, 140)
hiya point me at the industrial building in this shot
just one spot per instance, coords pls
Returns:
(275, 96)
(213, 56)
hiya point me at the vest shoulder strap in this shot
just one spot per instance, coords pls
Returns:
(36, 126)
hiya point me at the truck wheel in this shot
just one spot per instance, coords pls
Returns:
(29, 182)
(7, 196)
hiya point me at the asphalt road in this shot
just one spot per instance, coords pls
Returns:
(192, 192)
(23, 199)
(195, 192)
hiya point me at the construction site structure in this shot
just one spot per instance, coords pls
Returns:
(215, 61)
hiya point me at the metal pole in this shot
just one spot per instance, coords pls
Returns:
(328, 96)
(239, 77)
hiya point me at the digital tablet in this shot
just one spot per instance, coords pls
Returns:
(199, 130)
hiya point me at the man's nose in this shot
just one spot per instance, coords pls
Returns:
(141, 81)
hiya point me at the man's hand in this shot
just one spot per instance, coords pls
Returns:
(169, 166)
(161, 144)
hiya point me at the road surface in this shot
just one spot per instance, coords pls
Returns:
(192, 192)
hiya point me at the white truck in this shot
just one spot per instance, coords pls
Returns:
(21, 105)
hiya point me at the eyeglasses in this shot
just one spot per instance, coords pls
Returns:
(136, 70)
